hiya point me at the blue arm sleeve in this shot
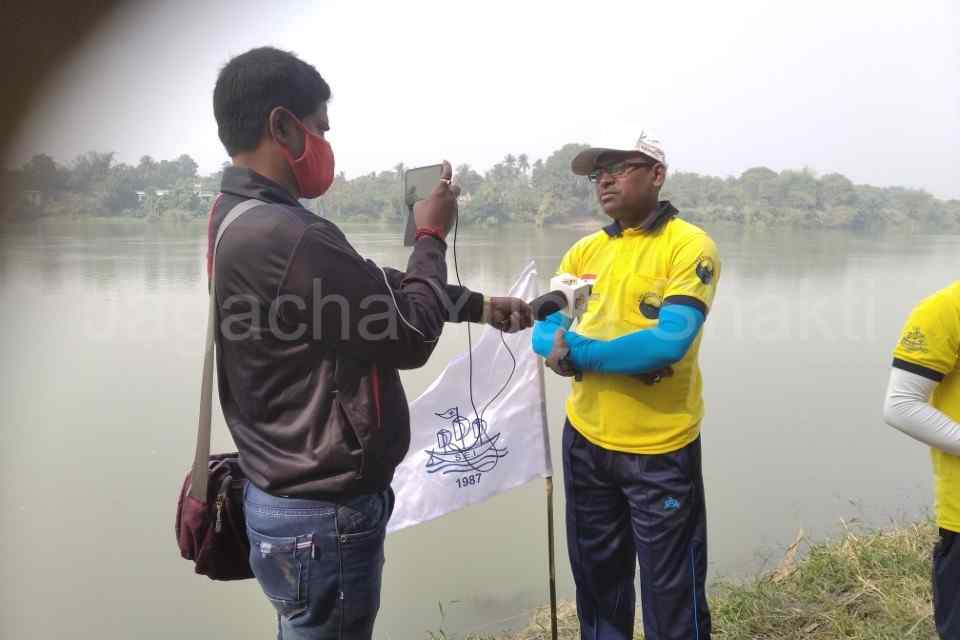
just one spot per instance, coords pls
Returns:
(544, 331)
(641, 351)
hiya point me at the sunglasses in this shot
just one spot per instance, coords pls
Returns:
(617, 169)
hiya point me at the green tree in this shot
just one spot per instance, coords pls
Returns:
(505, 194)
(835, 190)
(523, 163)
(759, 186)
(90, 171)
(568, 197)
(42, 174)
(118, 193)
(186, 167)
(146, 172)
(468, 179)
(797, 190)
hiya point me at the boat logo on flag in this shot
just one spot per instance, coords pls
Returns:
(463, 446)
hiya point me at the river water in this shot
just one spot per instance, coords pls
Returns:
(101, 344)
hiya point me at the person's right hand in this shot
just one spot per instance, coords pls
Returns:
(510, 315)
(439, 211)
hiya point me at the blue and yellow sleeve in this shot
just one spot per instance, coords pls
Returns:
(641, 351)
(545, 330)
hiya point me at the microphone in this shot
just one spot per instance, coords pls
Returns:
(569, 295)
(548, 304)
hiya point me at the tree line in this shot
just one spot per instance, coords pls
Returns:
(514, 190)
(94, 184)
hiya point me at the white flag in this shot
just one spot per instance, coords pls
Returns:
(458, 458)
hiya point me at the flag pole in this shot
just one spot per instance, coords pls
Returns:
(548, 478)
(553, 564)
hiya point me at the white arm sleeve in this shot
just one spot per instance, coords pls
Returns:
(908, 409)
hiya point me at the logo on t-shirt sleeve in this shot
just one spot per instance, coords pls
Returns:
(705, 269)
(914, 341)
(650, 303)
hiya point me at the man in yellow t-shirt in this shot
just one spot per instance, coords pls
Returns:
(631, 445)
(923, 401)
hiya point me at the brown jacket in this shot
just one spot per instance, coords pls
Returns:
(309, 343)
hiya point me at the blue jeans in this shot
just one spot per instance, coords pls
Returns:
(319, 563)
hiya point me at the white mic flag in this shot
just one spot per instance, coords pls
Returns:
(457, 458)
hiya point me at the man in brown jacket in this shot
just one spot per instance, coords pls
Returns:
(310, 339)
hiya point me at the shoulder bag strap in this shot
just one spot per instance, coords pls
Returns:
(200, 474)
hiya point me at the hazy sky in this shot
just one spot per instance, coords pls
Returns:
(870, 89)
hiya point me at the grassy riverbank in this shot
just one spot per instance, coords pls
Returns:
(861, 586)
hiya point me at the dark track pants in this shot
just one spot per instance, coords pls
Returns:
(946, 585)
(623, 506)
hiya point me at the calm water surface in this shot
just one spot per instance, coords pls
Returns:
(101, 342)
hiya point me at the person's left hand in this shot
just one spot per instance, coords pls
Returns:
(557, 360)
(508, 314)
(653, 377)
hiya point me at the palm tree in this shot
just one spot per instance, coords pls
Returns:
(523, 162)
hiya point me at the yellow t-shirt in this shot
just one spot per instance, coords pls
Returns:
(635, 272)
(930, 346)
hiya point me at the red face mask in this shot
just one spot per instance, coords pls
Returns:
(314, 168)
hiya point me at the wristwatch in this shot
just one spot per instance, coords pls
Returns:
(567, 363)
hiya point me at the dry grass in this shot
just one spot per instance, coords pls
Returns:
(866, 585)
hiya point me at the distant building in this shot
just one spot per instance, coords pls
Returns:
(199, 191)
(142, 195)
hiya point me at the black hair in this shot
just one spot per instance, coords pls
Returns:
(252, 84)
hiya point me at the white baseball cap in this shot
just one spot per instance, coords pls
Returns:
(585, 162)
